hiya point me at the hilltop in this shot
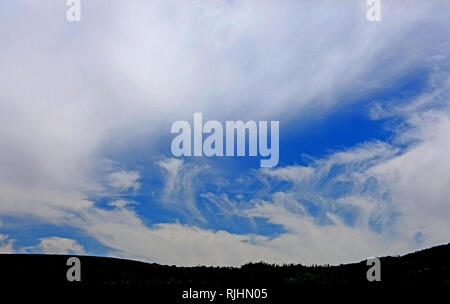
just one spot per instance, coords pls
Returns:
(429, 267)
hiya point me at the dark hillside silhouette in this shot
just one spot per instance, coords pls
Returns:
(430, 267)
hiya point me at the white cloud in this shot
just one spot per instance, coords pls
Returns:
(119, 203)
(306, 242)
(180, 185)
(172, 166)
(6, 244)
(419, 180)
(123, 231)
(49, 245)
(124, 180)
(58, 245)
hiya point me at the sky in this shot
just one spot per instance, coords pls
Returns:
(86, 110)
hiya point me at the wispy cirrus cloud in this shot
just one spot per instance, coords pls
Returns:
(124, 180)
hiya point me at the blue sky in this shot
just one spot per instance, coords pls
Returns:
(86, 110)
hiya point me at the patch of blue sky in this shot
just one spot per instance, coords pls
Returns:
(347, 126)
(318, 137)
(236, 176)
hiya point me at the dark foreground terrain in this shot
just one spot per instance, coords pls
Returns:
(411, 273)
